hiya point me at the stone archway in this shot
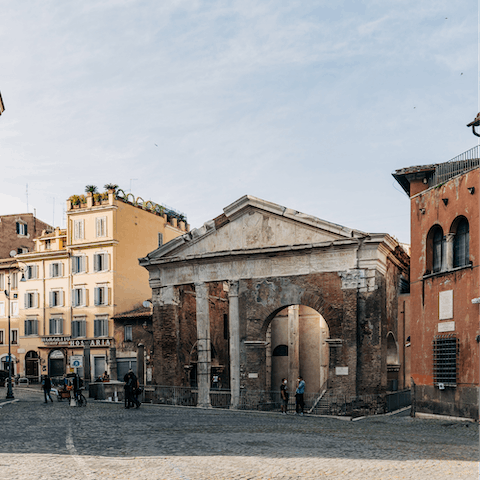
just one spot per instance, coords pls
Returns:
(32, 361)
(296, 345)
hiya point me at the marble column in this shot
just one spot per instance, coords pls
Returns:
(234, 328)
(449, 238)
(293, 347)
(203, 345)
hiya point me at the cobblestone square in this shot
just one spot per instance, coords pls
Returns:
(105, 441)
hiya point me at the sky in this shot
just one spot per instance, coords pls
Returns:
(193, 104)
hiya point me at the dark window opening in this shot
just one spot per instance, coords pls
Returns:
(438, 241)
(280, 351)
(445, 360)
(461, 244)
(225, 327)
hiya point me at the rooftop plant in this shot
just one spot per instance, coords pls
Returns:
(91, 188)
(110, 186)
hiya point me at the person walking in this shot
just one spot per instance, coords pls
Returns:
(127, 390)
(284, 395)
(299, 403)
(47, 386)
(133, 388)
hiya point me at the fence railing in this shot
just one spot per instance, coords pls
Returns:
(329, 404)
(460, 164)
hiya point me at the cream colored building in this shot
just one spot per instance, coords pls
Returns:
(78, 278)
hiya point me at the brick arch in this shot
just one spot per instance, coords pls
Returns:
(284, 294)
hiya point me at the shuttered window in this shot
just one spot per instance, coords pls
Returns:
(461, 255)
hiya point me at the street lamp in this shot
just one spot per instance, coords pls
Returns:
(7, 294)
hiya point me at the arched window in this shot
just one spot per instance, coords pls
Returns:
(461, 244)
(437, 249)
(280, 351)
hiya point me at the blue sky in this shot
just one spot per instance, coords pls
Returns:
(309, 104)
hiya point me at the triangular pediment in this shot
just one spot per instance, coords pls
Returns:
(251, 224)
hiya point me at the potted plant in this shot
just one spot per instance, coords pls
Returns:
(91, 189)
(111, 186)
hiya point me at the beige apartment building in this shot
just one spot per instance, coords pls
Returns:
(78, 278)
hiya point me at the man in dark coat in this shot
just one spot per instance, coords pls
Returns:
(47, 386)
(133, 387)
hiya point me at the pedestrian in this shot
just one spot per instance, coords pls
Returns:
(127, 392)
(299, 403)
(134, 388)
(284, 395)
(47, 386)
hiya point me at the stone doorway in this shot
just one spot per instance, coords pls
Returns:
(31, 366)
(296, 345)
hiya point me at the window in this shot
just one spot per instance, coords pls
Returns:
(56, 269)
(56, 298)
(79, 297)
(101, 295)
(31, 326)
(280, 351)
(2, 309)
(128, 333)
(2, 281)
(22, 250)
(79, 264)
(2, 337)
(22, 229)
(160, 239)
(101, 226)
(100, 327)
(31, 299)
(48, 244)
(435, 250)
(14, 309)
(31, 272)
(461, 255)
(14, 281)
(100, 262)
(445, 360)
(225, 327)
(79, 327)
(14, 336)
(56, 326)
(78, 229)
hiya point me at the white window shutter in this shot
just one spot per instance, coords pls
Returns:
(60, 295)
(85, 297)
(85, 264)
(82, 228)
(26, 300)
(74, 303)
(96, 299)
(36, 271)
(35, 295)
(51, 270)
(50, 299)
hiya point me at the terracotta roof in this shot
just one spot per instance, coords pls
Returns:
(139, 312)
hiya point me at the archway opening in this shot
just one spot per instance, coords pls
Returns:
(56, 363)
(32, 366)
(297, 345)
(393, 362)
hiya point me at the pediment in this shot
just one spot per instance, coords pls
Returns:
(251, 224)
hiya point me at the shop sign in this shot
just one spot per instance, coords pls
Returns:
(67, 341)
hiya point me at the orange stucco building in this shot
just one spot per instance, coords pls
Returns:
(444, 279)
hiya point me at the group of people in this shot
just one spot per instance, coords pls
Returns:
(299, 391)
(132, 390)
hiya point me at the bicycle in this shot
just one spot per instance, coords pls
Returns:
(80, 399)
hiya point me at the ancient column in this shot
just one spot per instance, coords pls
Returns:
(293, 348)
(449, 237)
(141, 363)
(234, 328)
(203, 345)
(113, 363)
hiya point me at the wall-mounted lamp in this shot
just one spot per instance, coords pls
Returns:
(445, 201)
(471, 190)
(474, 124)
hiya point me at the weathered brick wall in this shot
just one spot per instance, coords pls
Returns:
(10, 240)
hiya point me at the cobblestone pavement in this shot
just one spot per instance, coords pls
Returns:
(105, 441)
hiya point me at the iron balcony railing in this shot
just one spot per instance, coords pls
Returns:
(460, 164)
